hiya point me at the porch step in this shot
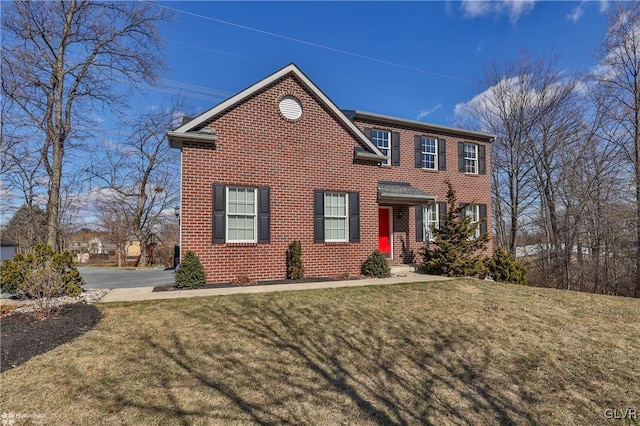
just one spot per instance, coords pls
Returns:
(402, 269)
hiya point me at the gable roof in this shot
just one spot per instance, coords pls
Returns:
(190, 130)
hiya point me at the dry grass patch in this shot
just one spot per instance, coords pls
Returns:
(455, 352)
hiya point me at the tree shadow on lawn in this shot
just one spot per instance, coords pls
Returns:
(330, 366)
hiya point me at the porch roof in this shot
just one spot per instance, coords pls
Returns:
(402, 193)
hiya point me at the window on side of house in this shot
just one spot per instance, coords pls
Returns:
(336, 217)
(382, 139)
(473, 212)
(470, 158)
(241, 215)
(429, 153)
(431, 220)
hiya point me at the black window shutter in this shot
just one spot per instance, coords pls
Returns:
(264, 214)
(417, 140)
(419, 223)
(482, 160)
(395, 148)
(442, 154)
(219, 206)
(461, 157)
(367, 132)
(483, 218)
(462, 210)
(354, 217)
(442, 212)
(318, 216)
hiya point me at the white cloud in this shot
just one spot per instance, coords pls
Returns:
(604, 6)
(512, 8)
(576, 13)
(521, 90)
(426, 112)
(480, 46)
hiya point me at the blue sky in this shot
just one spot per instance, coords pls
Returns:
(414, 60)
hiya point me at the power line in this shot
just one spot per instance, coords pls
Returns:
(319, 46)
(221, 52)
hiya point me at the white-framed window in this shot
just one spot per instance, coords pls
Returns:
(470, 158)
(336, 217)
(429, 153)
(382, 139)
(241, 215)
(431, 220)
(473, 211)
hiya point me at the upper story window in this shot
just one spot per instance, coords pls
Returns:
(429, 150)
(335, 217)
(470, 158)
(382, 139)
(241, 215)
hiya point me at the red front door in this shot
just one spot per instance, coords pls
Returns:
(384, 231)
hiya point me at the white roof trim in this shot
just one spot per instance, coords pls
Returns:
(293, 69)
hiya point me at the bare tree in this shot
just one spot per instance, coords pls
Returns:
(507, 108)
(115, 222)
(619, 77)
(553, 143)
(60, 60)
(142, 173)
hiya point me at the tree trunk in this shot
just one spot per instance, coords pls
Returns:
(637, 143)
(53, 202)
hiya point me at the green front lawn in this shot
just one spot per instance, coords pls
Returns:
(454, 352)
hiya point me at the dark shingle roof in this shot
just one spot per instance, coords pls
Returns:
(402, 193)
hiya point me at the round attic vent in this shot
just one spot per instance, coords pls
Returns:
(290, 107)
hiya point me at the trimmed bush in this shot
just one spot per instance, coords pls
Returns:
(295, 268)
(191, 273)
(503, 267)
(376, 266)
(43, 273)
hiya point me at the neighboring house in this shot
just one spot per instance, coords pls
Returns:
(280, 162)
(8, 249)
(90, 242)
(132, 248)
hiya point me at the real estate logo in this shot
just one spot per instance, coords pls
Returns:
(630, 414)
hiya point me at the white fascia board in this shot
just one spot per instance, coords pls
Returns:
(291, 68)
(176, 138)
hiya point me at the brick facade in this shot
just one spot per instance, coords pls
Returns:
(257, 147)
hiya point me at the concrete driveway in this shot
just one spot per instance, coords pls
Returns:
(123, 278)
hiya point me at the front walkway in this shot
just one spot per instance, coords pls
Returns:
(146, 293)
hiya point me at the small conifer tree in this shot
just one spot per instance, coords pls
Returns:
(457, 251)
(295, 268)
(503, 267)
(191, 273)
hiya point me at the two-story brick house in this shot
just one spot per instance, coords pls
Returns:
(279, 162)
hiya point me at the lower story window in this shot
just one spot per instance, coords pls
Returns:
(335, 217)
(241, 215)
(473, 212)
(431, 222)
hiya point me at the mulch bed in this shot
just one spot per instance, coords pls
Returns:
(270, 282)
(22, 336)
